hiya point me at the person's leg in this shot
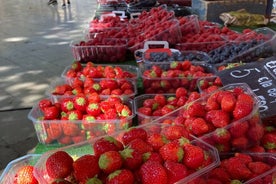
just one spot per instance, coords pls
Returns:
(68, 2)
(63, 3)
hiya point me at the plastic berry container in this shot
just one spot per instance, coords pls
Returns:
(178, 2)
(206, 85)
(266, 177)
(54, 132)
(166, 84)
(9, 173)
(189, 25)
(50, 91)
(138, 102)
(83, 148)
(237, 140)
(108, 50)
(130, 70)
(202, 46)
(249, 47)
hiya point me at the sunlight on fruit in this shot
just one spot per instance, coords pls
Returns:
(15, 39)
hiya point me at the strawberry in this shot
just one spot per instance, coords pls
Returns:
(221, 135)
(70, 129)
(238, 129)
(65, 140)
(51, 113)
(157, 140)
(93, 109)
(196, 110)
(244, 106)
(175, 171)
(193, 156)
(76, 66)
(105, 144)
(152, 156)
(161, 99)
(198, 126)
(55, 130)
(94, 180)
(80, 102)
(132, 159)
(67, 104)
(140, 145)
(237, 169)
(74, 115)
(167, 109)
(258, 167)
(122, 176)
(110, 161)
(134, 133)
(228, 102)
(175, 131)
(125, 112)
(269, 141)
(255, 132)
(25, 175)
(220, 174)
(240, 143)
(59, 165)
(218, 118)
(172, 152)
(44, 103)
(82, 167)
(152, 172)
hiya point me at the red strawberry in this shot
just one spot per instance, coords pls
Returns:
(134, 133)
(175, 131)
(240, 143)
(76, 65)
(167, 109)
(238, 129)
(44, 103)
(125, 112)
(140, 145)
(218, 118)
(221, 136)
(54, 131)
(82, 167)
(132, 159)
(105, 144)
(161, 99)
(175, 171)
(74, 115)
(244, 106)
(80, 102)
(70, 129)
(196, 110)
(93, 109)
(110, 161)
(65, 140)
(228, 102)
(157, 140)
(258, 167)
(269, 141)
(67, 104)
(220, 174)
(172, 151)
(152, 156)
(51, 113)
(198, 126)
(25, 175)
(255, 132)
(237, 169)
(122, 176)
(193, 156)
(59, 165)
(152, 172)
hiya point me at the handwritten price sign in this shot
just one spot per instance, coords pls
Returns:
(261, 77)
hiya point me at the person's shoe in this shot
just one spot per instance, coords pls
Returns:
(52, 2)
(63, 6)
(68, 2)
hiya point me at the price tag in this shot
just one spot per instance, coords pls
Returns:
(261, 77)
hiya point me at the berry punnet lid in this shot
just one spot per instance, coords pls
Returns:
(260, 76)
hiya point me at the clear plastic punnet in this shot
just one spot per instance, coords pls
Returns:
(66, 131)
(86, 147)
(215, 120)
(9, 173)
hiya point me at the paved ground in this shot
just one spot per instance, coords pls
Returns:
(34, 50)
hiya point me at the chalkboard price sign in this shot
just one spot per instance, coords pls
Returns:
(261, 77)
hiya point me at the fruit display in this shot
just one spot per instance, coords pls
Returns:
(227, 118)
(248, 47)
(249, 168)
(152, 153)
(99, 50)
(74, 119)
(149, 107)
(20, 170)
(166, 77)
(124, 88)
(91, 70)
(207, 85)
